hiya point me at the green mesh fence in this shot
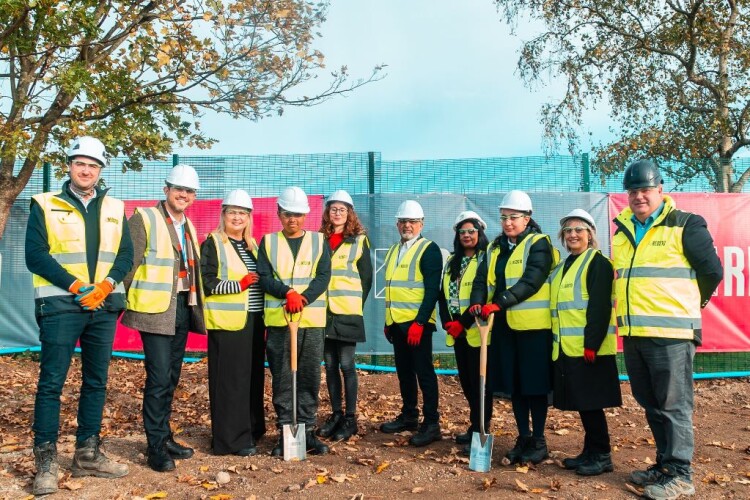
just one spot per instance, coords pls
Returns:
(362, 173)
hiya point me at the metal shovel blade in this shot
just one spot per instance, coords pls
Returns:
(480, 457)
(295, 444)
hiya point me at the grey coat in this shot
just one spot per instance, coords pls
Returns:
(161, 323)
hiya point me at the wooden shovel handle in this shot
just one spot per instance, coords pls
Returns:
(484, 330)
(293, 328)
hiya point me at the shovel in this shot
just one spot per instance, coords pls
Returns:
(480, 458)
(295, 445)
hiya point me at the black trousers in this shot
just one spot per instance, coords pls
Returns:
(235, 385)
(467, 362)
(596, 438)
(163, 362)
(415, 370)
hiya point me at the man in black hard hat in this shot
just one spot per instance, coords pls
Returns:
(660, 291)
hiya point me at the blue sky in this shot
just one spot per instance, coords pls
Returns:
(451, 90)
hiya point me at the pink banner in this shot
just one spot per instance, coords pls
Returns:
(205, 216)
(725, 319)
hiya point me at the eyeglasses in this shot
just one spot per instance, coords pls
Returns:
(467, 231)
(85, 164)
(341, 211)
(291, 215)
(511, 217)
(240, 213)
(577, 229)
(409, 221)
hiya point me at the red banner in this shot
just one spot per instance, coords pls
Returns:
(725, 318)
(205, 216)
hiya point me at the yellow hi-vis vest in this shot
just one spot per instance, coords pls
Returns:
(404, 283)
(533, 313)
(66, 235)
(228, 311)
(569, 300)
(466, 280)
(154, 279)
(345, 288)
(655, 286)
(296, 273)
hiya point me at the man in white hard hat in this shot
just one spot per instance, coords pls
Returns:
(165, 301)
(78, 249)
(295, 268)
(413, 268)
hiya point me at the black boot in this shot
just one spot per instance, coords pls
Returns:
(176, 450)
(159, 459)
(314, 445)
(331, 425)
(596, 464)
(400, 424)
(514, 454)
(464, 438)
(249, 450)
(278, 450)
(45, 457)
(347, 429)
(575, 462)
(426, 435)
(536, 451)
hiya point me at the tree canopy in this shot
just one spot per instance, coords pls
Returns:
(139, 74)
(676, 75)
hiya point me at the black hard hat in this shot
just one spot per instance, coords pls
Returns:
(642, 174)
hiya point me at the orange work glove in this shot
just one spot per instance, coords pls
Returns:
(94, 298)
(247, 280)
(414, 335)
(78, 287)
(454, 328)
(488, 309)
(294, 302)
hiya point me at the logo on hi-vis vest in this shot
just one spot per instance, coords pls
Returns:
(305, 263)
(517, 261)
(113, 220)
(566, 285)
(659, 243)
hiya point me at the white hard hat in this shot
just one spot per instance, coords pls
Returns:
(183, 176)
(516, 200)
(468, 215)
(579, 213)
(293, 199)
(90, 147)
(238, 198)
(410, 209)
(341, 196)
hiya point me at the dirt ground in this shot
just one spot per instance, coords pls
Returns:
(372, 465)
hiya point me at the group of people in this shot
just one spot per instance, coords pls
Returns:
(553, 338)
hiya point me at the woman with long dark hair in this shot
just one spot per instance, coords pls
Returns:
(469, 247)
(351, 279)
(512, 285)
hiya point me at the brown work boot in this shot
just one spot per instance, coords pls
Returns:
(45, 459)
(88, 460)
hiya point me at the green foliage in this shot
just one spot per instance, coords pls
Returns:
(676, 75)
(139, 74)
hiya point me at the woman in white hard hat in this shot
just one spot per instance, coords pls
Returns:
(584, 340)
(234, 319)
(351, 280)
(469, 247)
(512, 284)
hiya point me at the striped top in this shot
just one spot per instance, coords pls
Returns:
(225, 287)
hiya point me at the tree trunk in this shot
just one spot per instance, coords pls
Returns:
(6, 203)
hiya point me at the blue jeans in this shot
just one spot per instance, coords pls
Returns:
(59, 334)
(661, 378)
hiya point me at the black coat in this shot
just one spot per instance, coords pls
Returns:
(580, 386)
(351, 327)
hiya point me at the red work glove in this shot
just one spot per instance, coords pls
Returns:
(414, 335)
(247, 280)
(454, 328)
(95, 297)
(294, 303)
(589, 355)
(488, 309)
(78, 287)
(387, 333)
(476, 310)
